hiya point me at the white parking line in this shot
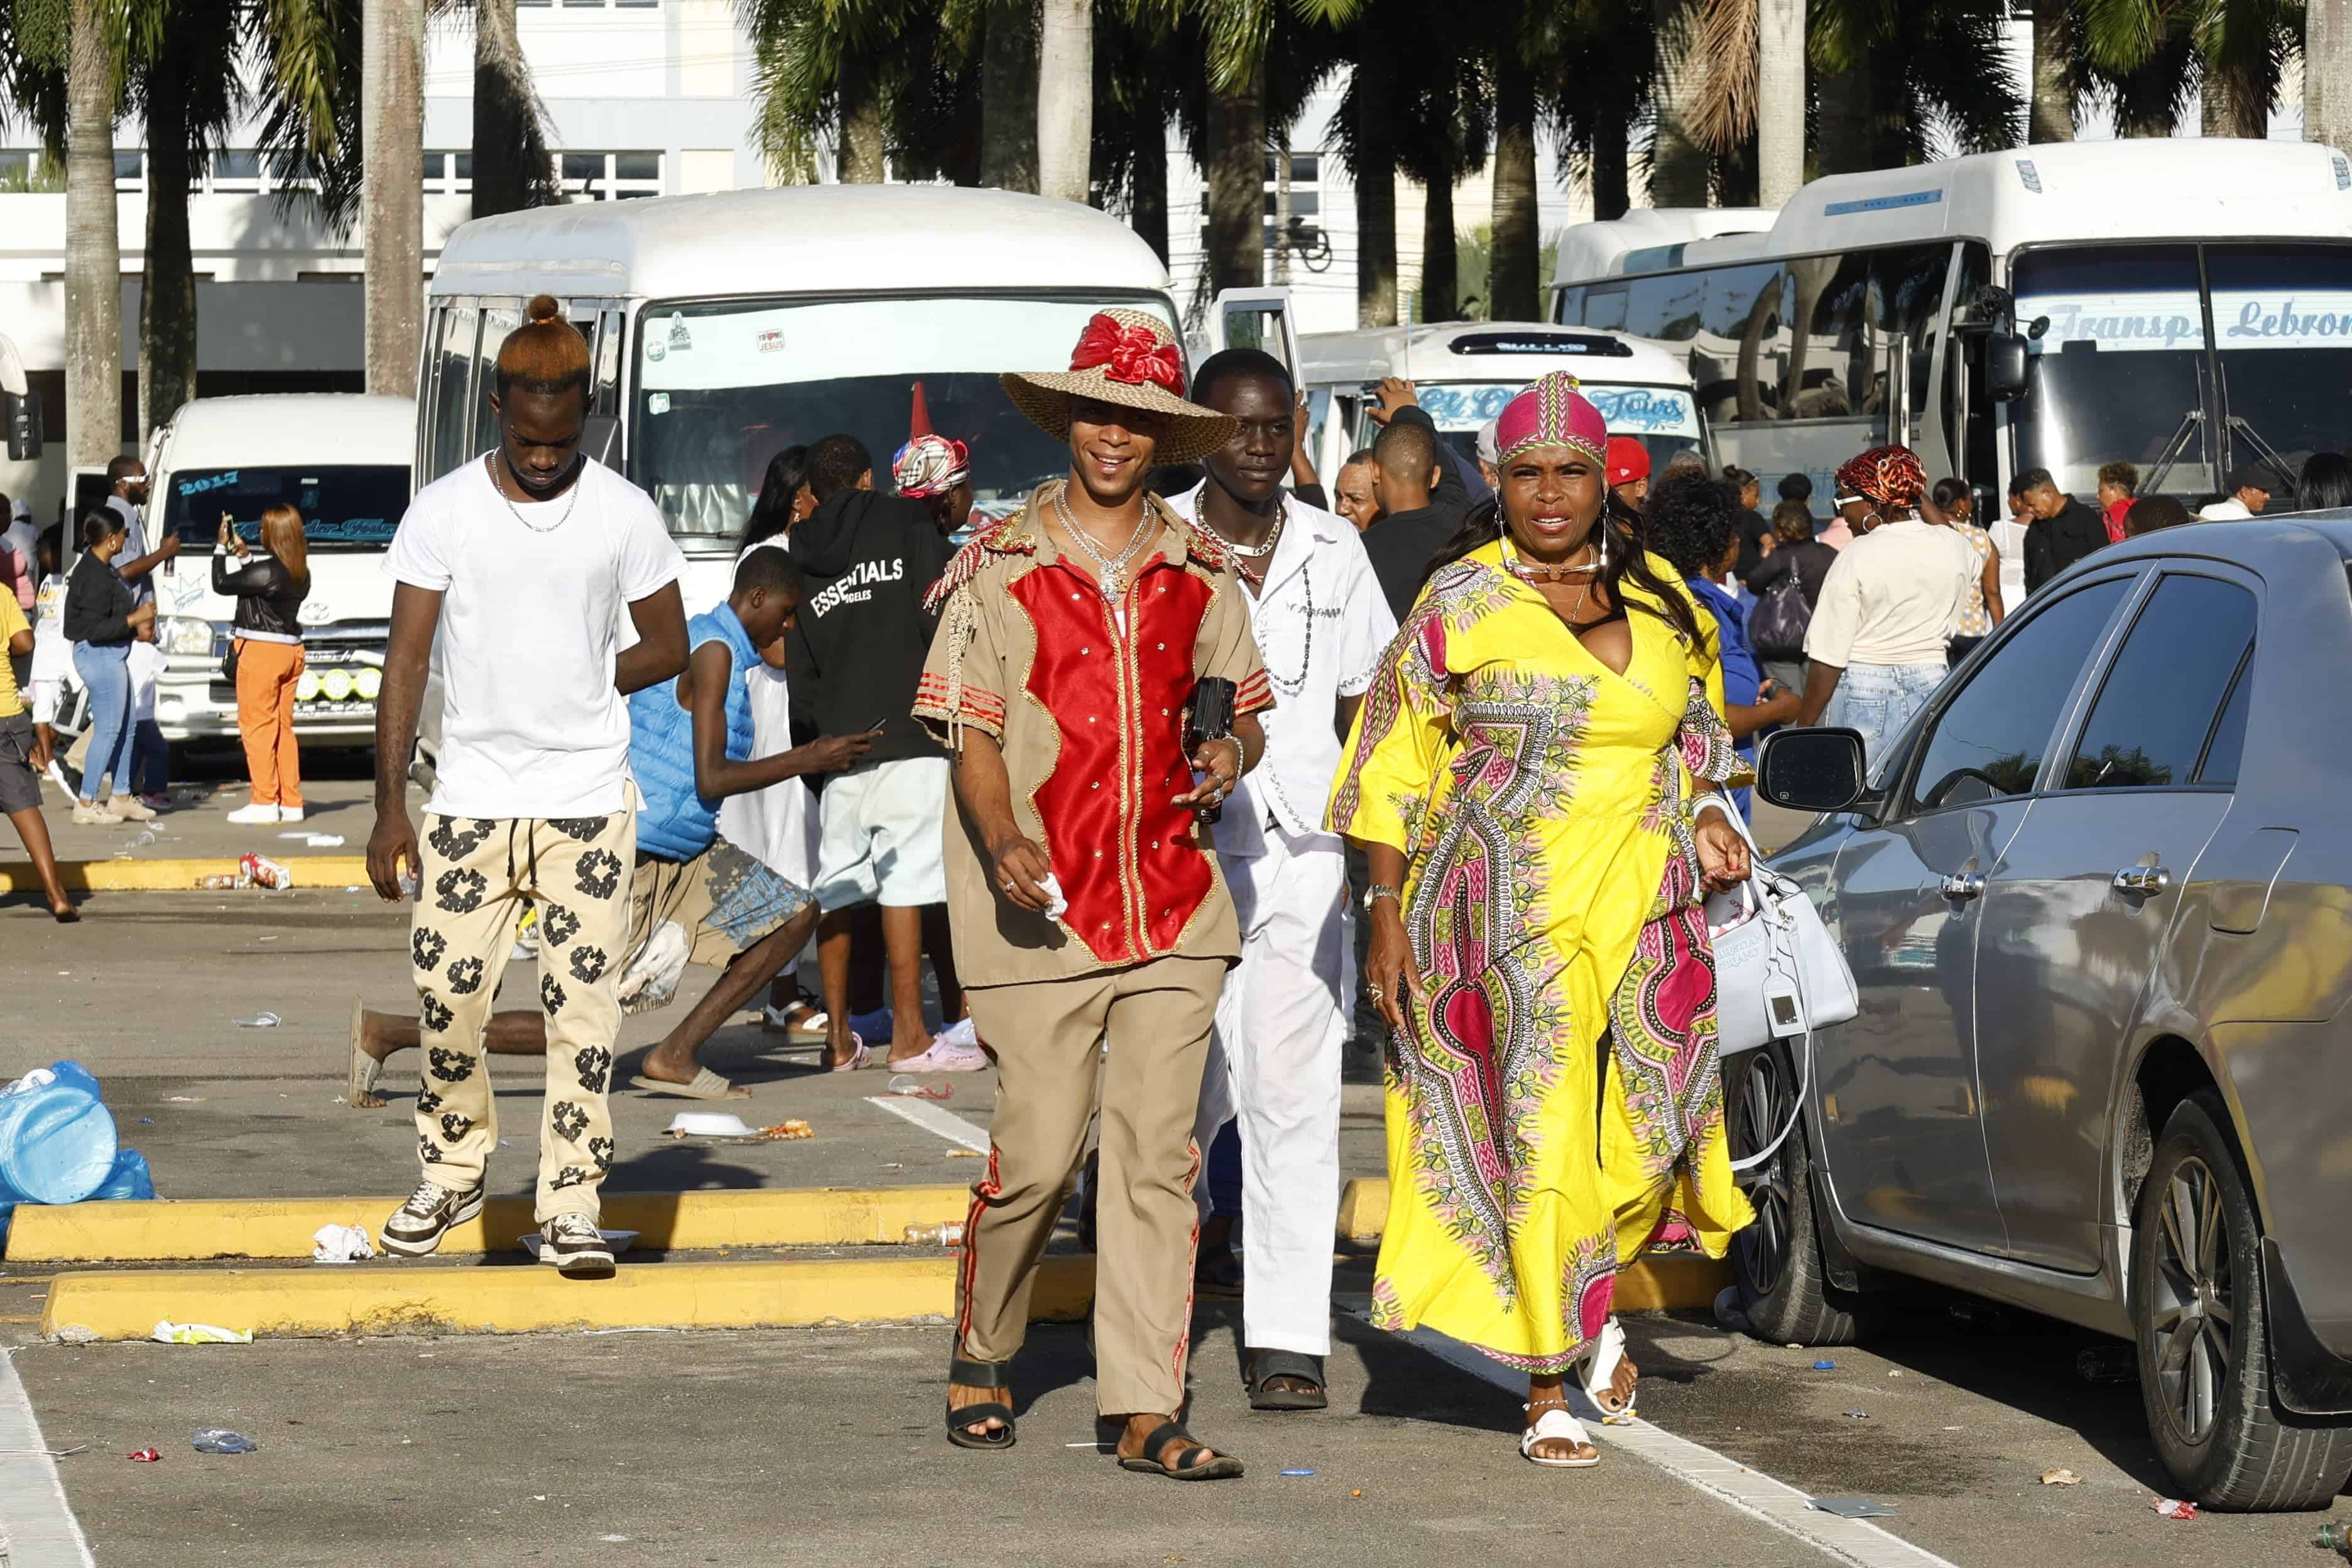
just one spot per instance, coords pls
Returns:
(37, 1525)
(1783, 1507)
(928, 1116)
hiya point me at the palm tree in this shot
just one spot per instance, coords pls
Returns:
(2052, 115)
(1512, 286)
(1889, 82)
(1594, 80)
(1679, 165)
(1448, 126)
(897, 82)
(512, 168)
(391, 138)
(2327, 71)
(1008, 100)
(1065, 98)
(93, 243)
(184, 59)
(1364, 141)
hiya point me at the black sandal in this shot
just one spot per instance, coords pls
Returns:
(1265, 1366)
(980, 1374)
(1169, 1434)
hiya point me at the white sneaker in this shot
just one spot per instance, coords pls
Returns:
(127, 807)
(289, 814)
(92, 815)
(255, 816)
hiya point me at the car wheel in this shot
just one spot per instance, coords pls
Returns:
(2199, 1318)
(1784, 1284)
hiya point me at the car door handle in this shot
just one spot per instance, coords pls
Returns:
(1961, 886)
(2144, 880)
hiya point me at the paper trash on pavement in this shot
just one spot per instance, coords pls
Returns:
(341, 1244)
(2061, 1476)
(170, 1333)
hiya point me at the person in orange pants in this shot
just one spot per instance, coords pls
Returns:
(268, 651)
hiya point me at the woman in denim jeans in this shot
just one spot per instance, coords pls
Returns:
(102, 621)
(1875, 646)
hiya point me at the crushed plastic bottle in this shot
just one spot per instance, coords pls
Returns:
(2336, 1538)
(259, 1021)
(221, 1440)
(908, 1086)
(948, 1235)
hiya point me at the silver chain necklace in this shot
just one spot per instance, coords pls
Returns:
(1110, 569)
(491, 458)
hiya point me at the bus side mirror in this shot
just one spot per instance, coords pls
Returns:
(22, 415)
(600, 438)
(2005, 366)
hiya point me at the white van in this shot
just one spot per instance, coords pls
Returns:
(724, 328)
(1464, 372)
(340, 459)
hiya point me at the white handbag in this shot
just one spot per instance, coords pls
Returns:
(1778, 972)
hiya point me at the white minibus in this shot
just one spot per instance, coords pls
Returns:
(340, 459)
(724, 328)
(2183, 305)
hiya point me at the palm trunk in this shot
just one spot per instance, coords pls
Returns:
(1678, 165)
(1149, 216)
(1779, 101)
(1236, 134)
(167, 295)
(1612, 180)
(506, 118)
(861, 161)
(1375, 176)
(2052, 115)
(2327, 72)
(1008, 100)
(1513, 289)
(2233, 107)
(1441, 269)
(391, 144)
(1065, 98)
(93, 244)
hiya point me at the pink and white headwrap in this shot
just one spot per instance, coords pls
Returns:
(1551, 413)
(930, 466)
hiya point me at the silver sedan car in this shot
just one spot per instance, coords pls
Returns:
(2097, 898)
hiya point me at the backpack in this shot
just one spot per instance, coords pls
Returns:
(1776, 626)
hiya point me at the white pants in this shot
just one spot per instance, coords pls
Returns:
(1274, 1062)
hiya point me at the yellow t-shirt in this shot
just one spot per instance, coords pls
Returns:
(12, 621)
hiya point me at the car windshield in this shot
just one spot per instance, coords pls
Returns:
(354, 507)
(722, 386)
(2124, 369)
(1666, 418)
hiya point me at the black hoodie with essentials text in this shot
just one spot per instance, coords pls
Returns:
(857, 647)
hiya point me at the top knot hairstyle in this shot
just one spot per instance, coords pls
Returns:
(546, 356)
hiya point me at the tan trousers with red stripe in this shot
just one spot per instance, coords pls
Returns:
(1051, 1078)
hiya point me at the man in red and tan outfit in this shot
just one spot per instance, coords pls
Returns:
(1085, 896)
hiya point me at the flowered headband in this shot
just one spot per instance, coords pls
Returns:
(1891, 476)
(1551, 413)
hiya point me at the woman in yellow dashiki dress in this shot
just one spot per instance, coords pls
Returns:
(1530, 776)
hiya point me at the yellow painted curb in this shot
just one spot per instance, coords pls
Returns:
(195, 1229)
(177, 875)
(1652, 1285)
(393, 1299)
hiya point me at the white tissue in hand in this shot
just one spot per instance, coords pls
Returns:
(1056, 906)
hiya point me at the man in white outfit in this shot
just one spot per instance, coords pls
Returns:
(1321, 626)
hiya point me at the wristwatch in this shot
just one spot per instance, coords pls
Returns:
(1375, 893)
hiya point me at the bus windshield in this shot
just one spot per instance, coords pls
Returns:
(348, 506)
(722, 386)
(2125, 368)
(1663, 418)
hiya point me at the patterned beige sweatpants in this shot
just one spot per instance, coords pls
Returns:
(475, 872)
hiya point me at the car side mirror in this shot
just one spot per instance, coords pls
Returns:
(600, 438)
(2005, 366)
(1811, 770)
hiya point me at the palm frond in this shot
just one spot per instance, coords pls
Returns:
(1723, 42)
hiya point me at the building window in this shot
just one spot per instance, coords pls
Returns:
(23, 169)
(610, 176)
(449, 173)
(130, 170)
(236, 170)
(1305, 192)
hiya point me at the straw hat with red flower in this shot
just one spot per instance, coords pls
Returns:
(1132, 360)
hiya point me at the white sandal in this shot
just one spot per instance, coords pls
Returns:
(1597, 1372)
(1556, 1425)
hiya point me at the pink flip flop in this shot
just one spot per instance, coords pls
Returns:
(944, 1057)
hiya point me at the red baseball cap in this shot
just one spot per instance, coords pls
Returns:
(1628, 460)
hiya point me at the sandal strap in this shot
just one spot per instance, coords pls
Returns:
(1555, 1424)
(1267, 1365)
(1168, 1434)
(975, 1414)
(978, 1373)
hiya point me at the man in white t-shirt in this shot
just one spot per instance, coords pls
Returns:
(1321, 623)
(522, 560)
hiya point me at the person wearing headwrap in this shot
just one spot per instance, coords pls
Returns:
(1876, 645)
(938, 472)
(1536, 777)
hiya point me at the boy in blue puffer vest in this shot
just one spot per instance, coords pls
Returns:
(694, 895)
